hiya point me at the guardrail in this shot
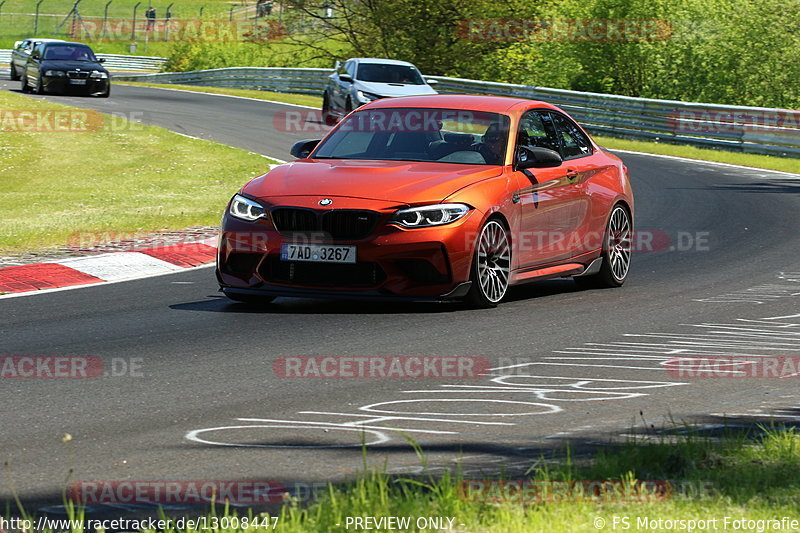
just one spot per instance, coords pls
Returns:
(114, 61)
(757, 130)
(286, 80)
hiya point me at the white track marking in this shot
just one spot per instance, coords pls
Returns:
(120, 265)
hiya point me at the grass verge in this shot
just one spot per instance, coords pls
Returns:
(97, 173)
(743, 476)
(785, 164)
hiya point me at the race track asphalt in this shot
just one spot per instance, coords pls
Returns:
(725, 272)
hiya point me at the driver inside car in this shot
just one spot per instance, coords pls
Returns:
(491, 145)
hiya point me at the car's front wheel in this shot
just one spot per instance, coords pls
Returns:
(106, 94)
(14, 73)
(491, 266)
(39, 89)
(617, 247)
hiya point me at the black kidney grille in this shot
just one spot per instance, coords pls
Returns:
(80, 75)
(294, 220)
(340, 224)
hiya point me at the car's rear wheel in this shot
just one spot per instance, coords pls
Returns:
(491, 266)
(14, 73)
(327, 117)
(616, 253)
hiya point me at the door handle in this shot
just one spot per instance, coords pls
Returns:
(572, 174)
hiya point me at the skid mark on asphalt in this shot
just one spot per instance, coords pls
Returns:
(762, 294)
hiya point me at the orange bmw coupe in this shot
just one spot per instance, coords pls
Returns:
(444, 197)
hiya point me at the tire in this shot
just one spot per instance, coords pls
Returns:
(616, 253)
(491, 266)
(106, 94)
(25, 87)
(39, 88)
(348, 106)
(327, 117)
(253, 299)
(14, 73)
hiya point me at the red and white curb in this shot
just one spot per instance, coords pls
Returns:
(106, 268)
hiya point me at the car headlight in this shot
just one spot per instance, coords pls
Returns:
(246, 209)
(98, 74)
(366, 97)
(430, 215)
(55, 73)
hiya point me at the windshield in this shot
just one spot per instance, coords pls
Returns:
(69, 53)
(416, 134)
(383, 73)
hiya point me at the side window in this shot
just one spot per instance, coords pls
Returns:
(574, 142)
(341, 70)
(536, 130)
(24, 46)
(350, 68)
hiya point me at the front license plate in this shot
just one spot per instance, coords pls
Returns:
(78, 82)
(318, 253)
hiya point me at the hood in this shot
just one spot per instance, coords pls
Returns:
(394, 89)
(71, 65)
(402, 182)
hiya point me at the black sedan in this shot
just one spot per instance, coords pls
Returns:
(65, 68)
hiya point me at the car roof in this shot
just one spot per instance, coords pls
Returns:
(467, 102)
(37, 40)
(381, 61)
(65, 42)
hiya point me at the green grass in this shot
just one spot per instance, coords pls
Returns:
(124, 177)
(785, 164)
(124, 8)
(753, 475)
(299, 99)
(17, 21)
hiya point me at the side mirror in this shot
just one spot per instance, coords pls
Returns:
(301, 149)
(431, 82)
(536, 157)
(346, 77)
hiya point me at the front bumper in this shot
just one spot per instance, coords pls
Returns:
(424, 264)
(62, 84)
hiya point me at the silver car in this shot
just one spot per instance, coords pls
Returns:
(361, 80)
(21, 52)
